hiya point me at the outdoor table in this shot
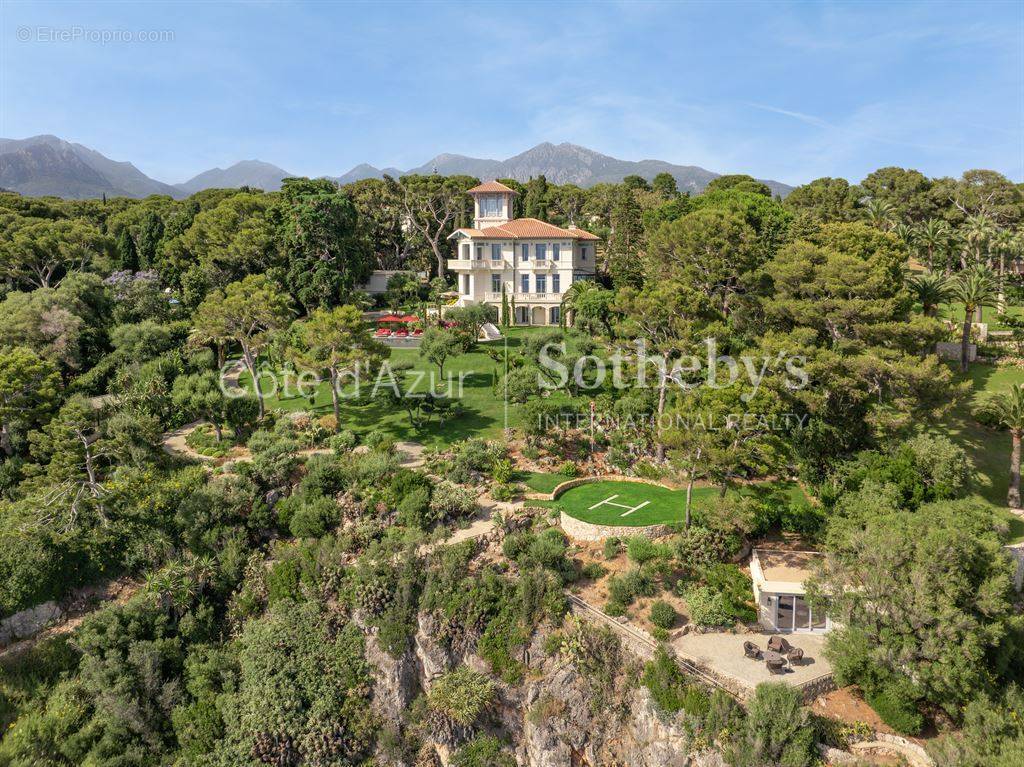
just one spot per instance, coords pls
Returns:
(771, 656)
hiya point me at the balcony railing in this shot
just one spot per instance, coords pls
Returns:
(539, 296)
(462, 264)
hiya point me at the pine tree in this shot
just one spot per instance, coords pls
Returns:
(126, 252)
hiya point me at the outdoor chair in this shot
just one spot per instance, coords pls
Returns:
(776, 666)
(751, 650)
(795, 656)
(778, 644)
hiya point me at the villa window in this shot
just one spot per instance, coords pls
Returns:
(554, 252)
(495, 283)
(542, 252)
(583, 252)
(465, 251)
(525, 253)
(479, 252)
(556, 283)
(490, 205)
(524, 283)
(496, 252)
(542, 283)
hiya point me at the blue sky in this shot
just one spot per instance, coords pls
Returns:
(784, 91)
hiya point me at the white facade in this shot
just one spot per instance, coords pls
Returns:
(530, 262)
(778, 578)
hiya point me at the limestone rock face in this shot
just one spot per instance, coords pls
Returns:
(549, 719)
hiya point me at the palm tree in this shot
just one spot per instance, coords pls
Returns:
(880, 213)
(976, 232)
(933, 237)
(976, 289)
(1004, 242)
(1007, 409)
(930, 289)
(905, 232)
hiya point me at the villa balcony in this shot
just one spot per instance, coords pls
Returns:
(554, 298)
(469, 264)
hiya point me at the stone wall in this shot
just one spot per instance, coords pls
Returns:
(584, 531)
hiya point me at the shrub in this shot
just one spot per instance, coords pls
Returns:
(414, 508)
(593, 571)
(503, 492)
(327, 423)
(449, 501)
(626, 588)
(612, 547)
(776, 730)
(708, 607)
(378, 440)
(568, 469)
(313, 518)
(663, 615)
(615, 608)
(670, 689)
(502, 471)
(484, 751)
(461, 695)
(641, 550)
(343, 441)
(896, 704)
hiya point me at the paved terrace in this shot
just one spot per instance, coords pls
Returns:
(722, 654)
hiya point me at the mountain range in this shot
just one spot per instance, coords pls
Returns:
(48, 165)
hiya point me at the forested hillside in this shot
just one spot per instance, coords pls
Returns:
(324, 576)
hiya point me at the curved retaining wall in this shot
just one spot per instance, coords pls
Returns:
(586, 531)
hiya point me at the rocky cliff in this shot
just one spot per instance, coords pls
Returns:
(550, 719)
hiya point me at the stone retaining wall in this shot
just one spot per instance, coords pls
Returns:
(584, 531)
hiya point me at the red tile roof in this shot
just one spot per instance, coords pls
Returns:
(491, 186)
(528, 229)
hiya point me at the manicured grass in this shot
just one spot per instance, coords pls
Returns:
(541, 482)
(479, 411)
(955, 312)
(988, 449)
(663, 505)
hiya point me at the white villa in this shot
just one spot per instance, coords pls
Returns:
(530, 262)
(779, 592)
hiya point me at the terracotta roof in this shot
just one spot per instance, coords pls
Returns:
(491, 186)
(527, 229)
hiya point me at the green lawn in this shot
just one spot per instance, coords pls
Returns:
(541, 482)
(663, 505)
(955, 311)
(988, 449)
(479, 412)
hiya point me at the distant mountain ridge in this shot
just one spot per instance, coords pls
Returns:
(47, 165)
(254, 173)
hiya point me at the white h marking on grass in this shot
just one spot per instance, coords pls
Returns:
(610, 501)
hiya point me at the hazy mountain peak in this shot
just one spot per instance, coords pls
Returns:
(252, 173)
(47, 164)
